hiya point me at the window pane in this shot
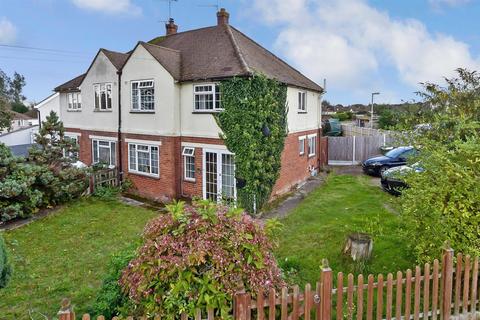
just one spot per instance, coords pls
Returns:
(143, 161)
(133, 157)
(113, 154)
(79, 100)
(154, 155)
(109, 96)
(70, 101)
(95, 151)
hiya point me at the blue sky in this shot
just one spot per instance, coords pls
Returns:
(359, 46)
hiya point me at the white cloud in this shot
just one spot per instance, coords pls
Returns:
(8, 32)
(109, 6)
(351, 43)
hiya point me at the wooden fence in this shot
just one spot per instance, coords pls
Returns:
(355, 149)
(447, 289)
(103, 178)
(349, 130)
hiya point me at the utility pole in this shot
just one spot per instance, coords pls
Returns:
(371, 110)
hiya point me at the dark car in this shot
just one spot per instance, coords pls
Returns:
(393, 158)
(393, 180)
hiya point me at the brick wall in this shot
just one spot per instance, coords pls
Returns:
(171, 183)
(295, 167)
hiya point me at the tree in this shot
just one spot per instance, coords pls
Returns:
(442, 203)
(5, 115)
(16, 87)
(19, 107)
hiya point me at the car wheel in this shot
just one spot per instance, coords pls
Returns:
(382, 170)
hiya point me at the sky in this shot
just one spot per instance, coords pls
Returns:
(358, 46)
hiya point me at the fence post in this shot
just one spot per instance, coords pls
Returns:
(241, 306)
(326, 284)
(447, 280)
(66, 311)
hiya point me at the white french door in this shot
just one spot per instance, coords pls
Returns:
(219, 175)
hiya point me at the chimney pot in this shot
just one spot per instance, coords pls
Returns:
(171, 27)
(222, 17)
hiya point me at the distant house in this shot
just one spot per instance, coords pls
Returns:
(49, 104)
(20, 121)
(150, 112)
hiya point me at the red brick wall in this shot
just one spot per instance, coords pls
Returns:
(171, 183)
(295, 167)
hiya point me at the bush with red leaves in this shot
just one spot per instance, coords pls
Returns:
(199, 256)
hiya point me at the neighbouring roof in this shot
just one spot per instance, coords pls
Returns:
(210, 53)
(21, 150)
(21, 116)
(71, 84)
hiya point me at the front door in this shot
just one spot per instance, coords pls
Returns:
(218, 175)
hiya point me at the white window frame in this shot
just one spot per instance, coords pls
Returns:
(302, 101)
(188, 152)
(213, 91)
(301, 145)
(137, 106)
(110, 143)
(150, 152)
(74, 101)
(312, 150)
(98, 87)
(74, 137)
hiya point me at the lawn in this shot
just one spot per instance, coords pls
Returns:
(318, 227)
(66, 255)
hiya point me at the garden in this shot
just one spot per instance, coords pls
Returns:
(111, 258)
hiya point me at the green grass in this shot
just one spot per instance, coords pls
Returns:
(65, 255)
(318, 227)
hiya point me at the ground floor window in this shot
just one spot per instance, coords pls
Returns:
(104, 152)
(74, 139)
(301, 145)
(312, 145)
(143, 159)
(189, 163)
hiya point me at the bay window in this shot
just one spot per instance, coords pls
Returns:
(143, 159)
(143, 95)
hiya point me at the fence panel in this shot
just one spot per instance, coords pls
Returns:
(433, 292)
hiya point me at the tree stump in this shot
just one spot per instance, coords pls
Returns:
(359, 246)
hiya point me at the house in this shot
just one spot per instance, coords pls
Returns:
(151, 111)
(49, 104)
(20, 121)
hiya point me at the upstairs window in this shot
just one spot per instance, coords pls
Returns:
(302, 101)
(189, 163)
(143, 95)
(104, 152)
(74, 101)
(103, 96)
(207, 97)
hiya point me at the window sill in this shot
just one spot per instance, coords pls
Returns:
(98, 110)
(207, 112)
(301, 154)
(301, 111)
(311, 155)
(143, 174)
(142, 112)
(78, 110)
(189, 180)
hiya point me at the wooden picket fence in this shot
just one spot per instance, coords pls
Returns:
(446, 290)
(103, 178)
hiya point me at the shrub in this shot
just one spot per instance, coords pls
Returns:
(198, 257)
(5, 266)
(443, 203)
(110, 300)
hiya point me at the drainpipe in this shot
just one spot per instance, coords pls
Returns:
(119, 133)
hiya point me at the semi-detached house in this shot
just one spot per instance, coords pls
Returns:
(150, 112)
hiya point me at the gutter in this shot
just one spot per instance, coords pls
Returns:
(119, 132)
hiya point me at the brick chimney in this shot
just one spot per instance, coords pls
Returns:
(222, 17)
(171, 27)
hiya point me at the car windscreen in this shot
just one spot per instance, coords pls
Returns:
(397, 152)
